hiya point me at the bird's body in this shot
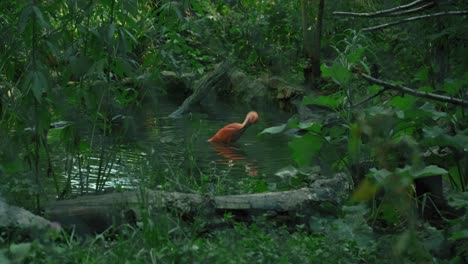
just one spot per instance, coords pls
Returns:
(232, 132)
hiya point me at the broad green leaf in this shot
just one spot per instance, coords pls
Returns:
(436, 136)
(338, 72)
(430, 108)
(287, 172)
(459, 235)
(310, 126)
(423, 74)
(20, 251)
(374, 88)
(431, 170)
(379, 175)
(365, 191)
(426, 89)
(354, 56)
(403, 102)
(293, 122)
(453, 87)
(122, 68)
(273, 130)
(304, 148)
(331, 101)
(458, 199)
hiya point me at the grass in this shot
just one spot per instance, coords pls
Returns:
(181, 243)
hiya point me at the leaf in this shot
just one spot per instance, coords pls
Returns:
(431, 170)
(273, 130)
(366, 67)
(196, 7)
(374, 88)
(338, 72)
(19, 251)
(423, 74)
(40, 17)
(310, 126)
(430, 108)
(130, 35)
(426, 89)
(260, 186)
(304, 148)
(403, 103)
(287, 172)
(111, 32)
(379, 175)
(39, 85)
(436, 136)
(293, 122)
(365, 191)
(24, 17)
(455, 87)
(331, 101)
(356, 55)
(458, 200)
(459, 235)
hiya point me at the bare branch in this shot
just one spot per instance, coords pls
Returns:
(411, 11)
(437, 97)
(381, 12)
(409, 19)
(371, 97)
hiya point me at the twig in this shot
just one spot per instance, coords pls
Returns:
(409, 19)
(381, 12)
(437, 97)
(371, 97)
(411, 11)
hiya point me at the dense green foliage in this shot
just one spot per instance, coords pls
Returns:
(95, 62)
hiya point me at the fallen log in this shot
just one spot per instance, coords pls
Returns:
(215, 80)
(16, 217)
(96, 213)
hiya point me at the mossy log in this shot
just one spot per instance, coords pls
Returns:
(95, 213)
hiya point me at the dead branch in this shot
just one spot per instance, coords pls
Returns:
(410, 19)
(393, 11)
(412, 11)
(437, 97)
(371, 97)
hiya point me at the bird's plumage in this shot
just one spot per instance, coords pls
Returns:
(232, 132)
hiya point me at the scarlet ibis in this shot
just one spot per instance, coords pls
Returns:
(232, 132)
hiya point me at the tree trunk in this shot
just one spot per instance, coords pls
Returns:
(312, 34)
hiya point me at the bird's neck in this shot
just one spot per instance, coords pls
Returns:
(246, 122)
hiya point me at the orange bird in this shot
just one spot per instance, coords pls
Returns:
(233, 132)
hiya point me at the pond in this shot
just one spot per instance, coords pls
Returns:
(161, 151)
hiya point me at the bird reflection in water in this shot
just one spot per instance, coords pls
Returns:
(234, 155)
